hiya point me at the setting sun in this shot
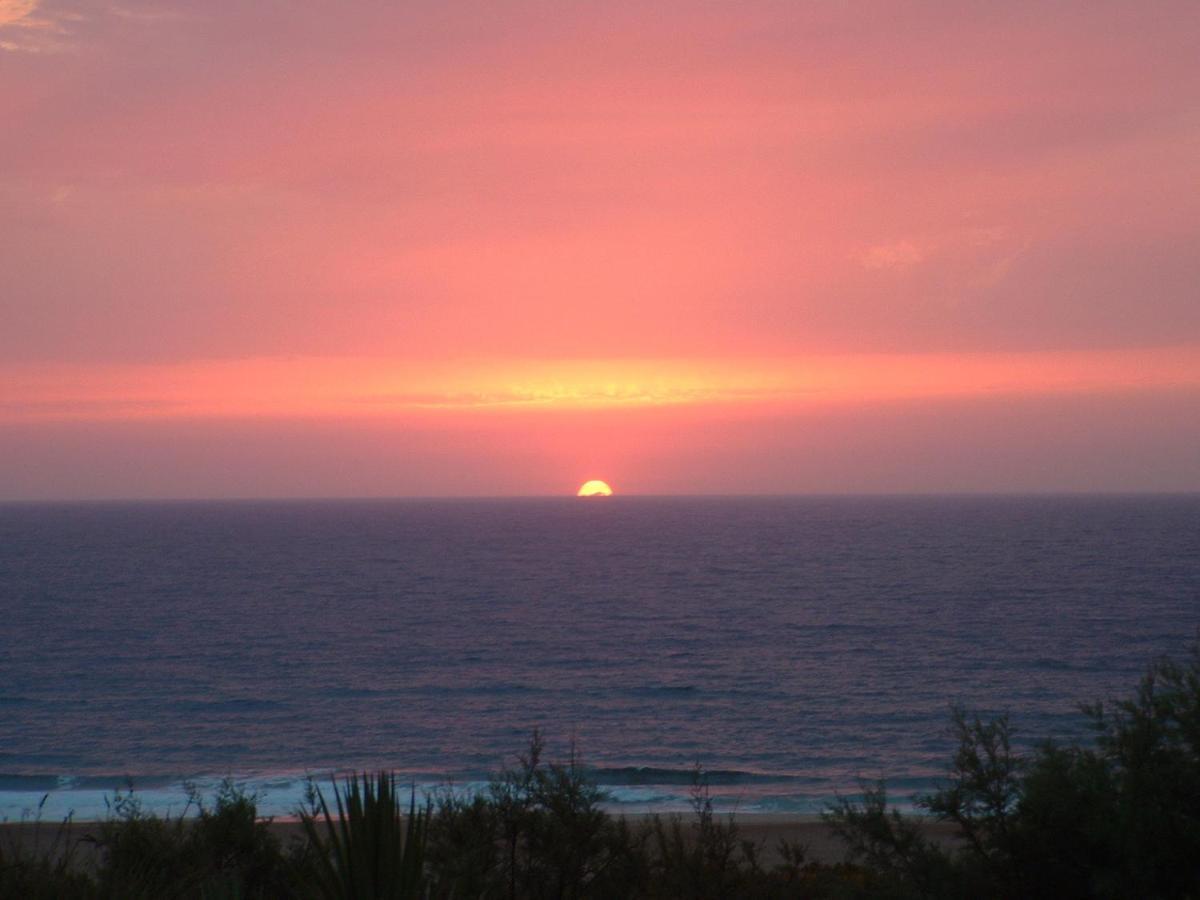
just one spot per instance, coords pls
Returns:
(594, 488)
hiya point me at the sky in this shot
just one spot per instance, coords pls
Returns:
(385, 249)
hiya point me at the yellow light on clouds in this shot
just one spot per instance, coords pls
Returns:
(340, 387)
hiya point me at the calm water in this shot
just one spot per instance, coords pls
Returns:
(788, 645)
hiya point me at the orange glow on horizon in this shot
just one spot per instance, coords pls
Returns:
(370, 388)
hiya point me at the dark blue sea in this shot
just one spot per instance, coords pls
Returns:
(789, 646)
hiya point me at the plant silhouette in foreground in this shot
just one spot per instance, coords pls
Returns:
(370, 850)
(224, 850)
(1118, 818)
(42, 869)
(537, 831)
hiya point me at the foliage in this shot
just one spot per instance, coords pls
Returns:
(225, 850)
(539, 831)
(900, 859)
(1150, 748)
(708, 859)
(40, 868)
(371, 850)
(1120, 818)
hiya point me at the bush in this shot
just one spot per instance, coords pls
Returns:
(538, 832)
(226, 850)
(707, 859)
(1120, 818)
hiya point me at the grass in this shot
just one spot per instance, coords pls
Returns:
(46, 866)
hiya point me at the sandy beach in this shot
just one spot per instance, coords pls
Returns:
(766, 830)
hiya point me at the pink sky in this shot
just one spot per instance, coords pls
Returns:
(499, 248)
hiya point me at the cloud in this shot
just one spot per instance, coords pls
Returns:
(896, 255)
(146, 15)
(356, 388)
(991, 272)
(25, 27)
(16, 12)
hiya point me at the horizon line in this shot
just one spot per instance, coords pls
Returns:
(746, 495)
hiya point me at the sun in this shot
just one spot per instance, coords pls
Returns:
(594, 488)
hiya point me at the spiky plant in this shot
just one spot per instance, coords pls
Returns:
(369, 850)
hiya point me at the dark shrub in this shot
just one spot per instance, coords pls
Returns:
(44, 864)
(538, 832)
(226, 850)
(1117, 819)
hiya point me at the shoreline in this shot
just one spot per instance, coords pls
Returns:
(279, 798)
(767, 830)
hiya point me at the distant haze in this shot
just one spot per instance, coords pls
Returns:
(379, 249)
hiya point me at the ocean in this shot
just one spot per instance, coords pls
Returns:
(790, 647)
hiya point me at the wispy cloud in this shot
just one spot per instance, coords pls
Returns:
(145, 15)
(895, 255)
(367, 388)
(36, 26)
(16, 12)
(26, 26)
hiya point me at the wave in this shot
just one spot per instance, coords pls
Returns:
(639, 775)
(51, 782)
(628, 789)
(608, 777)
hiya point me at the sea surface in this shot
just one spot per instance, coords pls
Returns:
(788, 646)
